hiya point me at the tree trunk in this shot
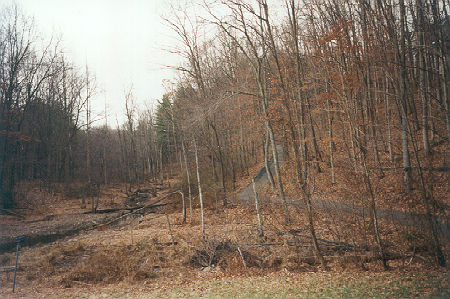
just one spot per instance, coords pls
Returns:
(373, 213)
(222, 170)
(331, 142)
(422, 76)
(188, 180)
(260, 229)
(403, 101)
(200, 194)
(266, 160)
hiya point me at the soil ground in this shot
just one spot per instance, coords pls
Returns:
(141, 256)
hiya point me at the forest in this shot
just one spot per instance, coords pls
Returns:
(340, 105)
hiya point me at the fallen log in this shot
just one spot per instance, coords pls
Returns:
(166, 243)
(106, 211)
(141, 194)
(300, 244)
(130, 209)
(138, 209)
(8, 212)
(7, 269)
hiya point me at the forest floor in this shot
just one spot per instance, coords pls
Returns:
(141, 256)
(54, 218)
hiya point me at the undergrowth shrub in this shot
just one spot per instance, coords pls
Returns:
(106, 265)
(223, 254)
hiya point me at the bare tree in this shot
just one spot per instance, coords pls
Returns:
(200, 194)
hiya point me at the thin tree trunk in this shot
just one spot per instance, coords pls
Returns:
(273, 144)
(277, 173)
(170, 229)
(422, 74)
(188, 180)
(442, 61)
(200, 194)
(429, 216)
(403, 101)
(161, 173)
(183, 200)
(266, 160)
(388, 122)
(260, 229)
(285, 92)
(312, 231)
(244, 154)
(331, 142)
(373, 213)
(222, 170)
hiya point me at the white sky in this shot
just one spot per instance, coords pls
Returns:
(122, 42)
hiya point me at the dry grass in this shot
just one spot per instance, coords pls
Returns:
(113, 265)
(138, 251)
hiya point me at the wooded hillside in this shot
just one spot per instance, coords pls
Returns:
(355, 92)
(352, 93)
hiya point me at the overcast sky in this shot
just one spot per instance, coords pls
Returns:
(122, 42)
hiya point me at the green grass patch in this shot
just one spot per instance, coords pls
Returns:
(311, 285)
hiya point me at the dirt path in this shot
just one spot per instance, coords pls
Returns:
(261, 179)
(404, 218)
